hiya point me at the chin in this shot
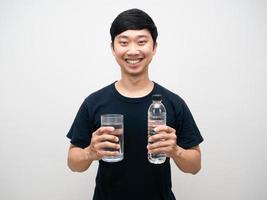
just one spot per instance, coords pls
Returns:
(136, 72)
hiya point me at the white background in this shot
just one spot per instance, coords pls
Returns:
(55, 53)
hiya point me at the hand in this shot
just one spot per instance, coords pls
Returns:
(103, 141)
(164, 141)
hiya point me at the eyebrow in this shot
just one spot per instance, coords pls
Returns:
(126, 37)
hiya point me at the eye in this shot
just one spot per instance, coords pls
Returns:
(123, 43)
(142, 42)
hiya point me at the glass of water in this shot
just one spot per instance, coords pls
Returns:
(116, 121)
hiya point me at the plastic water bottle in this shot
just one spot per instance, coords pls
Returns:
(156, 116)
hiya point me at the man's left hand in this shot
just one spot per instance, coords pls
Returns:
(164, 141)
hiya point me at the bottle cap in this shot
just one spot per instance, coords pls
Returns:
(156, 97)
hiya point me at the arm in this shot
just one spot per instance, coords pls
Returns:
(187, 160)
(79, 159)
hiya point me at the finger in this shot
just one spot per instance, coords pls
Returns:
(117, 131)
(104, 129)
(161, 136)
(164, 128)
(107, 137)
(103, 153)
(161, 144)
(158, 151)
(98, 139)
(164, 150)
(106, 146)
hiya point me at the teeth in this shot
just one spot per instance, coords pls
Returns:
(133, 61)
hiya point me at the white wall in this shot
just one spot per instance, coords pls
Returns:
(54, 53)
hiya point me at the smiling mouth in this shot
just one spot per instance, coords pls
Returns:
(133, 61)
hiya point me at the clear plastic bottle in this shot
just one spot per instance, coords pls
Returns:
(156, 116)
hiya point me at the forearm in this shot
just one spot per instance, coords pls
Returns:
(79, 160)
(188, 160)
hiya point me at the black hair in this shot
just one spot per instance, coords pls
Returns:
(133, 19)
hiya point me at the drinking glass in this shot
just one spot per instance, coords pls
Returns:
(116, 121)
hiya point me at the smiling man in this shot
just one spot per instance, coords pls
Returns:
(134, 50)
(133, 44)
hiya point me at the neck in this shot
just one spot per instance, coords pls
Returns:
(134, 87)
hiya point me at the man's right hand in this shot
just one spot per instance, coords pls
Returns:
(102, 140)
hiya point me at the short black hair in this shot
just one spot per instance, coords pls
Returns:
(133, 19)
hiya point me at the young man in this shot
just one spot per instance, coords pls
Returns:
(134, 35)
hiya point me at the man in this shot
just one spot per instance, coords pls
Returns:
(134, 35)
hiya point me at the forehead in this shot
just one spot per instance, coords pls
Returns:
(132, 34)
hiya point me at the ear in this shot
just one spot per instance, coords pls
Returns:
(112, 48)
(155, 48)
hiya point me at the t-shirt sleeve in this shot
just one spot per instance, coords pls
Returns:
(188, 134)
(81, 129)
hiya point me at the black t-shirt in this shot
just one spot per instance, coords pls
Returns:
(134, 177)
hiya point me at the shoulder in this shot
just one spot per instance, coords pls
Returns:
(172, 101)
(99, 95)
(169, 95)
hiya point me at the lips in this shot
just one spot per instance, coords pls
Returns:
(133, 61)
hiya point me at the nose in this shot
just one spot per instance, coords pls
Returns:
(133, 49)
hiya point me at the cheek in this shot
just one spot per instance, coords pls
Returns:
(118, 53)
(149, 51)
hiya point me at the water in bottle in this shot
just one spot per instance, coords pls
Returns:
(156, 116)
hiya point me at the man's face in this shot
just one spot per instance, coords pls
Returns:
(134, 50)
